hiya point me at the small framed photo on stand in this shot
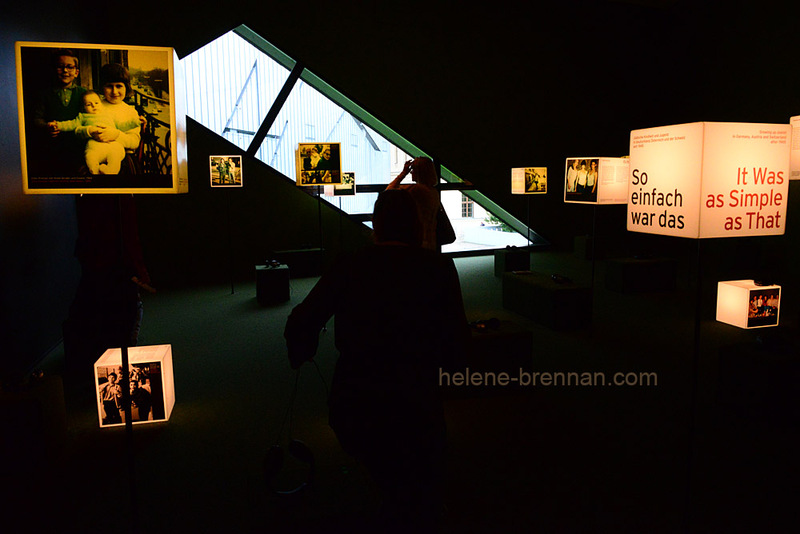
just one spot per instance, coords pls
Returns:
(225, 171)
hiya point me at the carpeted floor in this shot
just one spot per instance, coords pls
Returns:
(521, 459)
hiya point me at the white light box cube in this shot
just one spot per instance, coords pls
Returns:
(152, 385)
(529, 181)
(709, 179)
(745, 304)
(595, 180)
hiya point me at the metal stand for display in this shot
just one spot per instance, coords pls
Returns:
(230, 241)
(594, 242)
(528, 223)
(126, 394)
(693, 393)
(318, 191)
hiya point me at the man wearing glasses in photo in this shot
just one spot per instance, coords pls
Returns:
(58, 153)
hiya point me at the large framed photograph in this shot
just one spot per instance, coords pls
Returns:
(319, 164)
(151, 385)
(225, 171)
(100, 119)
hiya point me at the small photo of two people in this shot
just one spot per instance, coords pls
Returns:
(226, 171)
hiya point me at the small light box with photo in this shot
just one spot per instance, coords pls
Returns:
(529, 180)
(101, 119)
(748, 304)
(596, 180)
(152, 385)
(346, 188)
(319, 164)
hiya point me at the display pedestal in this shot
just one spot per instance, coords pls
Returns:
(272, 284)
(33, 419)
(303, 262)
(760, 379)
(633, 275)
(496, 354)
(583, 247)
(511, 259)
(560, 306)
(506, 348)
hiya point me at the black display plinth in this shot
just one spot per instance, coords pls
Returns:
(33, 419)
(760, 379)
(511, 259)
(504, 348)
(633, 275)
(561, 305)
(272, 284)
(302, 262)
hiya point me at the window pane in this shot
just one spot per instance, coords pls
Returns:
(231, 87)
(364, 152)
(476, 231)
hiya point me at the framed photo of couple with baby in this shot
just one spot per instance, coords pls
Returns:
(101, 119)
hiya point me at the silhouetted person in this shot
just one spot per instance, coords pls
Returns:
(399, 317)
(107, 308)
(434, 224)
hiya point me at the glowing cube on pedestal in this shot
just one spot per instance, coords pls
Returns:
(529, 181)
(709, 179)
(745, 304)
(152, 386)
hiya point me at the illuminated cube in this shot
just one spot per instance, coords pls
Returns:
(152, 385)
(745, 304)
(709, 179)
(529, 181)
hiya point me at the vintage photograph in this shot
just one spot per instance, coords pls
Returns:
(318, 164)
(146, 394)
(528, 180)
(536, 180)
(763, 309)
(226, 171)
(581, 177)
(95, 118)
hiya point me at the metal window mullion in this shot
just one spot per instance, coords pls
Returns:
(280, 100)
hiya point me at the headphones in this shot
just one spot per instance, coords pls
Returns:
(274, 459)
(273, 464)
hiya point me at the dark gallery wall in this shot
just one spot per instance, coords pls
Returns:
(483, 89)
(38, 274)
(219, 235)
